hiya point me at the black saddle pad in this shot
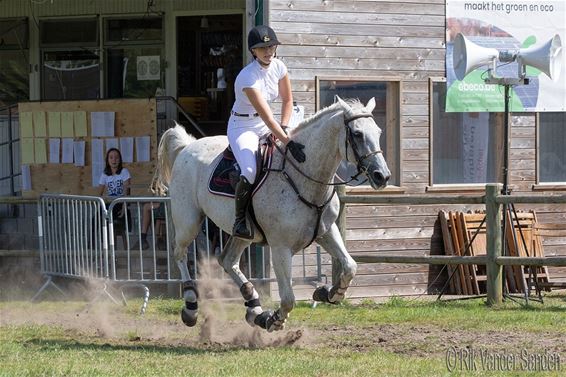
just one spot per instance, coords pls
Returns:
(226, 174)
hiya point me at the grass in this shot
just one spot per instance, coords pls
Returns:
(463, 314)
(28, 349)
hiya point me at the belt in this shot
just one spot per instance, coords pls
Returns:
(244, 115)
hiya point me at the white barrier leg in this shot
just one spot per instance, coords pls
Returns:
(44, 287)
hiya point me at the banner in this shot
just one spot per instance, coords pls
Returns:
(505, 25)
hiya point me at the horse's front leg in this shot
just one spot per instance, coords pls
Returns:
(282, 263)
(230, 261)
(332, 242)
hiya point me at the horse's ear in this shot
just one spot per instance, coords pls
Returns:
(371, 105)
(343, 103)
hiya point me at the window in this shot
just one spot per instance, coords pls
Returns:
(71, 74)
(464, 145)
(551, 151)
(142, 30)
(74, 32)
(70, 59)
(14, 61)
(9, 153)
(134, 57)
(386, 113)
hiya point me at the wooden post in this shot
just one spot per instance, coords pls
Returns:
(341, 222)
(494, 237)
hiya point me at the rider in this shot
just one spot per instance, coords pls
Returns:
(257, 84)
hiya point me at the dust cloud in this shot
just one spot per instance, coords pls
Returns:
(215, 327)
(103, 316)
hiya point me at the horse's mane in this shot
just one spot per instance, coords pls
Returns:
(354, 103)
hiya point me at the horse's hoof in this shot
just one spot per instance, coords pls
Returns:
(276, 326)
(275, 322)
(336, 295)
(261, 320)
(189, 317)
(321, 293)
(252, 314)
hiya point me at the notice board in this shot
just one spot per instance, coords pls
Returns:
(71, 122)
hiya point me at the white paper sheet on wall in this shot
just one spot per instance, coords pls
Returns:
(79, 152)
(142, 148)
(102, 123)
(112, 143)
(127, 149)
(67, 151)
(54, 150)
(26, 178)
(297, 116)
(97, 155)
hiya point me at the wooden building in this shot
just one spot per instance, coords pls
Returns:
(391, 50)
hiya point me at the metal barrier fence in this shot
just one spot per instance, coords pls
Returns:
(81, 237)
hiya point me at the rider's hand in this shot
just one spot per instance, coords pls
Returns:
(296, 150)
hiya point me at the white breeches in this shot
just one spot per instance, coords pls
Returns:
(243, 136)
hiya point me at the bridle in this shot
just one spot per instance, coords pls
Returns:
(349, 139)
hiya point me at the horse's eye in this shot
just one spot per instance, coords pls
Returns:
(358, 134)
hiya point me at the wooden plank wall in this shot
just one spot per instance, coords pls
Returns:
(391, 39)
(133, 117)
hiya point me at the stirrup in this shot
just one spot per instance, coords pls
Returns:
(238, 231)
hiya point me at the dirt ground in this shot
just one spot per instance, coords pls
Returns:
(106, 322)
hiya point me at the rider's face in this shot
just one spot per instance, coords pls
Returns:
(265, 54)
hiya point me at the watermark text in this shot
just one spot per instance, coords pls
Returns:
(480, 359)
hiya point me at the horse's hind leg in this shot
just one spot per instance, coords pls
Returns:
(230, 261)
(332, 242)
(184, 235)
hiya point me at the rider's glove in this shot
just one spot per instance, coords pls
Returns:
(296, 150)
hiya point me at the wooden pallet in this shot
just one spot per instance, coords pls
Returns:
(465, 234)
(526, 241)
(453, 271)
(472, 227)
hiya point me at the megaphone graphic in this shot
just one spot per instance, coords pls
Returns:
(546, 58)
(467, 56)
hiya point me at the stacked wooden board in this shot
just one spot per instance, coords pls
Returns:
(465, 234)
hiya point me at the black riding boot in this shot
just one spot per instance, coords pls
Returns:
(243, 196)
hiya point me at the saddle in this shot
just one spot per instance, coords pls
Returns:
(226, 174)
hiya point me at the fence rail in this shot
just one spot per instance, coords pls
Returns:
(494, 261)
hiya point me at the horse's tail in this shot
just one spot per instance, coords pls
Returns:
(172, 142)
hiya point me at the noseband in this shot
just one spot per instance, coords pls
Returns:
(350, 140)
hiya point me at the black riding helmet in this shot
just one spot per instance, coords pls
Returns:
(262, 36)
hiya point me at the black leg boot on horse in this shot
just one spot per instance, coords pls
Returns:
(243, 197)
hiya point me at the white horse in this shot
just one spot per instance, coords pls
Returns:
(293, 207)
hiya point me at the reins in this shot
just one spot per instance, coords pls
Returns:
(359, 161)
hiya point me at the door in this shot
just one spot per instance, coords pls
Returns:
(209, 57)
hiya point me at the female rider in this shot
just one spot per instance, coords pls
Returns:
(257, 84)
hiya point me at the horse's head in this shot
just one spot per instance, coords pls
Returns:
(361, 144)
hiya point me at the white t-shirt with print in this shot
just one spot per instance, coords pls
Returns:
(115, 183)
(255, 76)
